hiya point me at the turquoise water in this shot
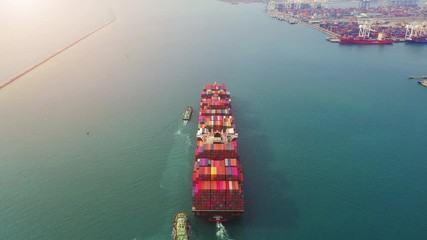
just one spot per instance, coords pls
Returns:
(331, 137)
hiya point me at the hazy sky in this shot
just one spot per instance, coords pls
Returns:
(33, 29)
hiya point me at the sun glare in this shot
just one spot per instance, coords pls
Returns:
(24, 2)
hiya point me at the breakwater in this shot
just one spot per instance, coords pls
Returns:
(418, 77)
(423, 83)
(318, 28)
(23, 73)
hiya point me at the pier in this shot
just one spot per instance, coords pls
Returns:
(423, 83)
(332, 37)
(418, 77)
(23, 73)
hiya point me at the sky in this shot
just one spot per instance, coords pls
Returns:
(34, 29)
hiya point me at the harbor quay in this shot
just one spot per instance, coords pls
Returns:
(423, 83)
(395, 21)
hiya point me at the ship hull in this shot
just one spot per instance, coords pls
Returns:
(218, 216)
(217, 175)
(362, 41)
(419, 40)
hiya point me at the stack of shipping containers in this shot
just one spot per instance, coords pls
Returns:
(217, 176)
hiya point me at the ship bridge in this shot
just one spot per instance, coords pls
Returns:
(211, 136)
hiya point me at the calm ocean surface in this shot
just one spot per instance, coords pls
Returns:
(332, 138)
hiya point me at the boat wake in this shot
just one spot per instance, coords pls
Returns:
(179, 132)
(221, 232)
(188, 140)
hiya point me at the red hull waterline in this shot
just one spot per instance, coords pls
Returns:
(362, 41)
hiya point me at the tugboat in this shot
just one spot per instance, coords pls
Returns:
(181, 227)
(187, 114)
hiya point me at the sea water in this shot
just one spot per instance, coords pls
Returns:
(331, 138)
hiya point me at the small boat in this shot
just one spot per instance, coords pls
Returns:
(181, 227)
(293, 21)
(187, 114)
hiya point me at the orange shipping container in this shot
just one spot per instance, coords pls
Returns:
(221, 170)
(204, 185)
(214, 185)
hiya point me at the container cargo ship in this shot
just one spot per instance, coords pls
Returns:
(364, 41)
(364, 37)
(181, 227)
(217, 177)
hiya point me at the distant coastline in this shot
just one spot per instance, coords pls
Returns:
(243, 1)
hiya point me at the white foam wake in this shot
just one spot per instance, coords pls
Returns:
(221, 232)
